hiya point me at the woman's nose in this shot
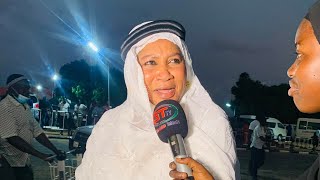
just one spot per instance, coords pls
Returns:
(163, 73)
(292, 70)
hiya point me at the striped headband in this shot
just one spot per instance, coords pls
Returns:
(16, 80)
(148, 29)
(314, 17)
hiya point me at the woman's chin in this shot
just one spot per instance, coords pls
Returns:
(307, 108)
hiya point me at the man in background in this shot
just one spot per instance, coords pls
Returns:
(18, 128)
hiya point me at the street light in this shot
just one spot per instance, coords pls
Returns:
(39, 87)
(96, 49)
(234, 108)
(55, 77)
(93, 46)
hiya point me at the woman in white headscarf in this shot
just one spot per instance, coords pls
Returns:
(124, 144)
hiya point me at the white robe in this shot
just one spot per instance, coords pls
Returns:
(124, 143)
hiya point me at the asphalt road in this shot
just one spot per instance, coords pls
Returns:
(278, 166)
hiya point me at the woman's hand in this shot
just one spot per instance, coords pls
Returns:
(199, 172)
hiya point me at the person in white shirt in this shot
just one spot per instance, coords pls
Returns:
(257, 151)
(64, 116)
(252, 126)
(80, 112)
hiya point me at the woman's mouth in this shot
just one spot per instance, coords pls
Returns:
(292, 91)
(293, 88)
(165, 93)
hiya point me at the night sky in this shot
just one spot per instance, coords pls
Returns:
(225, 38)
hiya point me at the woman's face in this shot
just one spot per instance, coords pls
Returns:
(305, 71)
(164, 71)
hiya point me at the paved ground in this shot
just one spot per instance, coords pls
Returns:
(41, 168)
(278, 166)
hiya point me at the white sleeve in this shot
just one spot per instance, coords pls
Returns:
(222, 136)
(251, 126)
(261, 131)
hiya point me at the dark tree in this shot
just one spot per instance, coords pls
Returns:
(252, 96)
(81, 77)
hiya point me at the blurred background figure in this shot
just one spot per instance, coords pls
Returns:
(44, 107)
(257, 151)
(64, 115)
(54, 107)
(245, 130)
(315, 141)
(79, 113)
(97, 112)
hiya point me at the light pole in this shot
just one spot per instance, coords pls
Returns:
(95, 48)
(55, 78)
(234, 108)
(108, 70)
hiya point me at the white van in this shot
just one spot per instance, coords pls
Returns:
(277, 127)
(306, 127)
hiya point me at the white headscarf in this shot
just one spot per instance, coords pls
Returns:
(205, 119)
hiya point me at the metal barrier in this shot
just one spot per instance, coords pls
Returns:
(304, 143)
(59, 170)
(287, 142)
(296, 142)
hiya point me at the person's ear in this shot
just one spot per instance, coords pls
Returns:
(13, 92)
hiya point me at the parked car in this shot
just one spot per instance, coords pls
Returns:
(80, 137)
(278, 129)
(306, 127)
(238, 127)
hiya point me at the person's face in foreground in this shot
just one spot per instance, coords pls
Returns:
(164, 72)
(305, 71)
(23, 88)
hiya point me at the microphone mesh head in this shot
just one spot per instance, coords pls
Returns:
(169, 119)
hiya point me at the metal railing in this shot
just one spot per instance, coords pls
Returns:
(58, 168)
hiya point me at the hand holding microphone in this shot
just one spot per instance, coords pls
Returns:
(199, 172)
(171, 126)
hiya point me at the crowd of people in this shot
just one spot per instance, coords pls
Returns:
(63, 113)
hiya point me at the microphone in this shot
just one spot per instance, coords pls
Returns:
(170, 123)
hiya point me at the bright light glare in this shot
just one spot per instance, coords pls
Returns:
(228, 105)
(93, 46)
(55, 77)
(39, 87)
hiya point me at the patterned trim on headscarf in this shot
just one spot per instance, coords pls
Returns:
(314, 17)
(16, 80)
(149, 29)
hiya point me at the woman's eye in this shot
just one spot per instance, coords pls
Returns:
(176, 61)
(151, 62)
